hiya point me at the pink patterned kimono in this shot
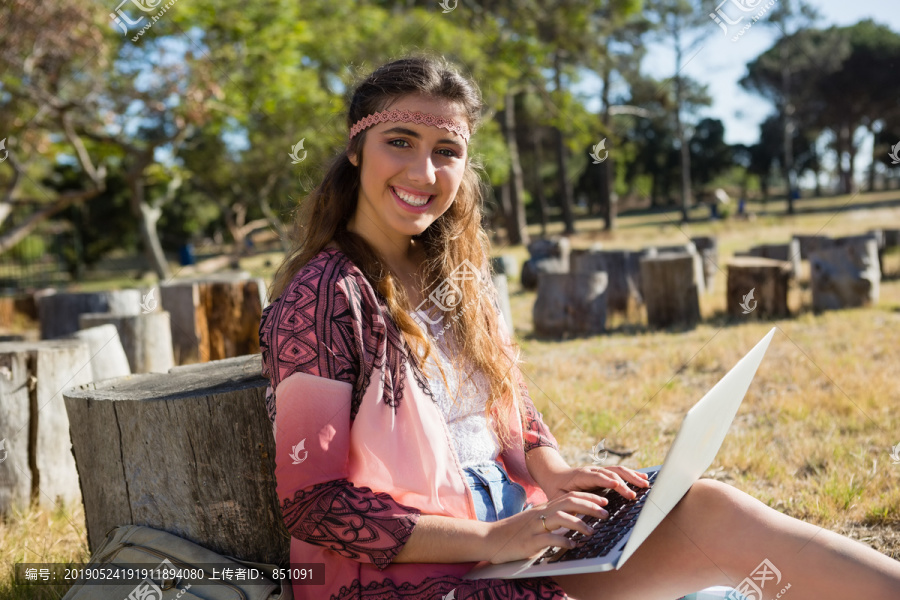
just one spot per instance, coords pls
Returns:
(362, 449)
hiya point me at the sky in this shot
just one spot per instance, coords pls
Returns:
(721, 63)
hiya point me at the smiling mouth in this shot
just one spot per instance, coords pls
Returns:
(411, 199)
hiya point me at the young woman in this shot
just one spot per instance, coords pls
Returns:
(408, 448)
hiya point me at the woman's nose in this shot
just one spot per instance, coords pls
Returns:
(422, 169)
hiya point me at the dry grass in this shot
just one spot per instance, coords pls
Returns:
(813, 434)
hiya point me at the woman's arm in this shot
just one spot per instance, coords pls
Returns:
(437, 539)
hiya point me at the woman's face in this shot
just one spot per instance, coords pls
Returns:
(421, 163)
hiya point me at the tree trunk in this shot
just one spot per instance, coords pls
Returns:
(519, 233)
(565, 186)
(538, 182)
(146, 215)
(788, 132)
(679, 125)
(607, 200)
(190, 452)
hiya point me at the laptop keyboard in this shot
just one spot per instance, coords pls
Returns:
(607, 532)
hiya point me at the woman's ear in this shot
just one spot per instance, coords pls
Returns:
(351, 156)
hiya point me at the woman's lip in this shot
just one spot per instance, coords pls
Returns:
(409, 207)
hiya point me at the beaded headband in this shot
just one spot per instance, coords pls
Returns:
(411, 117)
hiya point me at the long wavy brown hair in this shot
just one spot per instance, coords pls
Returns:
(455, 237)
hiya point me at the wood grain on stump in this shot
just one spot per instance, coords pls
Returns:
(190, 452)
(758, 287)
(671, 289)
(214, 318)
(37, 463)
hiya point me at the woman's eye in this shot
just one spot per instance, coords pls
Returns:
(451, 154)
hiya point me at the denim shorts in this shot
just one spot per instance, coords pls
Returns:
(496, 496)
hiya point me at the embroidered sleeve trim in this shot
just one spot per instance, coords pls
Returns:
(355, 522)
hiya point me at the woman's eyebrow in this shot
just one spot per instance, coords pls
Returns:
(411, 133)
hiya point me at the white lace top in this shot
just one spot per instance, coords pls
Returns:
(475, 442)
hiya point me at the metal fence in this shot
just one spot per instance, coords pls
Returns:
(41, 259)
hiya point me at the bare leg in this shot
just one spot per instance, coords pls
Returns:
(718, 535)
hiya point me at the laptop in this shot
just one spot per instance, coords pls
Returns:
(631, 522)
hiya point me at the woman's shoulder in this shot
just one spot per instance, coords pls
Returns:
(326, 273)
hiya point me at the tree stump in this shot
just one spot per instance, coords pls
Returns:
(812, 243)
(671, 290)
(505, 264)
(533, 267)
(758, 287)
(214, 318)
(502, 287)
(36, 463)
(570, 304)
(708, 248)
(876, 235)
(845, 276)
(190, 452)
(58, 312)
(691, 249)
(108, 358)
(789, 252)
(146, 338)
(622, 268)
(551, 248)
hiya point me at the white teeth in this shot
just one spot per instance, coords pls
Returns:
(413, 200)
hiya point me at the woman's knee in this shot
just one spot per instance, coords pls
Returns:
(714, 502)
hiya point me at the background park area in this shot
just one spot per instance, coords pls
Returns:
(150, 151)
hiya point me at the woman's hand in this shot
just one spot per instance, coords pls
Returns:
(590, 478)
(525, 534)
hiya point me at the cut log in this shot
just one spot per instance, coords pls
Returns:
(758, 288)
(551, 248)
(17, 311)
(505, 264)
(812, 243)
(58, 312)
(108, 358)
(570, 304)
(622, 268)
(190, 452)
(214, 318)
(708, 248)
(533, 267)
(671, 290)
(146, 338)
(691, 249)
(845, 276)
(789, 252)
(37, 464)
